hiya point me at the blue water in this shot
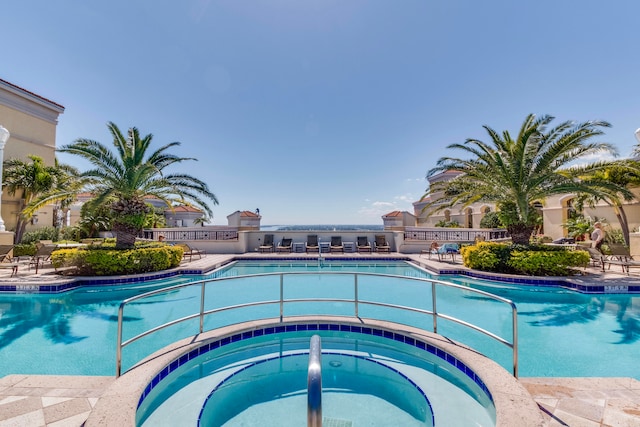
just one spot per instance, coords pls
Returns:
(561, 333)
(370, 381)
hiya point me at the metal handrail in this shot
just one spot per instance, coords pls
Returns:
(281, 301)
(314, 383)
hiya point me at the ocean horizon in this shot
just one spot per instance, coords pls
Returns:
(323, 227)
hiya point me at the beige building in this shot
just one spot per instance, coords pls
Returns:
(467, 217)
(31, 121)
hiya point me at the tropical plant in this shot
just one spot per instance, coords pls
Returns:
(624, 174)
(580, 225)
(34, 181)
(131, 173)
(490, 220)
(515, 173)
(447, 224)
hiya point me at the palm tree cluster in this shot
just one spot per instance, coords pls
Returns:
(516, 172)
(120, 180)
(36, 182)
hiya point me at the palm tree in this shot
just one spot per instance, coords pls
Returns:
(625, 174)
(131, 173)
(34, 182)
(516, 173)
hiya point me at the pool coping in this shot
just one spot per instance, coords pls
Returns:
(118, 404)
(588, 284)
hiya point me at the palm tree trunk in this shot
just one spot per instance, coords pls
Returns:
(125, 235)
(520, 233)
(624, 224)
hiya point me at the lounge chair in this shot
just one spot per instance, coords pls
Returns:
(5, 259)
(363, 244)
(381, 244)
(285, 245)
(432, 251)
(596, 258)
(190, 252)
(267, 245)
(42, 255)
(448, 249)
(336, 244)
(312, 243)
(620, 255)
(5, 250)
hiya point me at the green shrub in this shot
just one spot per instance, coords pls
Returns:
(547, 263)
(44, 233)
(101, 261)
(447, 224)
(24, 249)
(486, 256)
(491, 220)
(538, 260)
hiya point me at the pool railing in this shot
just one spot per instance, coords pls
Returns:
(356, 301)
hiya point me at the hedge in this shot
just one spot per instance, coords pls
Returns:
(535, 260)
(108, 262)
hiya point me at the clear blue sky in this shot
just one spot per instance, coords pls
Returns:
(323, 111)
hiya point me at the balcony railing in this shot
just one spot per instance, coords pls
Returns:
(179, 234)
(442, 234)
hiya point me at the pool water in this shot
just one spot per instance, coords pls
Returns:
(561, 332)
(366, 381)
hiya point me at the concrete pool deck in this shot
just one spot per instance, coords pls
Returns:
(38, 400)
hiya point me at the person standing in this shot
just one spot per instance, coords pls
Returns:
(597, 236)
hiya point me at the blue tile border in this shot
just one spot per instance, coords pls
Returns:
(110, 280)
(271, 330)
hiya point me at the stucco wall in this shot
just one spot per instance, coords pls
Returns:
(32, 125)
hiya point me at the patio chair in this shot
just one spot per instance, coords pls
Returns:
(42, 255)
(190, 252)
(285, 245)
(312, 243)
(381, 244)
(267, 245)
(336, 244)
(363, 244)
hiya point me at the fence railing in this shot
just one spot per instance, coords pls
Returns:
(442, 234)
(190, 234)
(282, 302)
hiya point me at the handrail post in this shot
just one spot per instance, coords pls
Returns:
(119, 346)
(433, 306)
(314, 383)
(202, 309)
(355, 283)
(514, 316)
(281, 296)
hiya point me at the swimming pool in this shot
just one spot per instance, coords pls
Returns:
(561, 333)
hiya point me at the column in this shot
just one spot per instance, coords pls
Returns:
(4, 137)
